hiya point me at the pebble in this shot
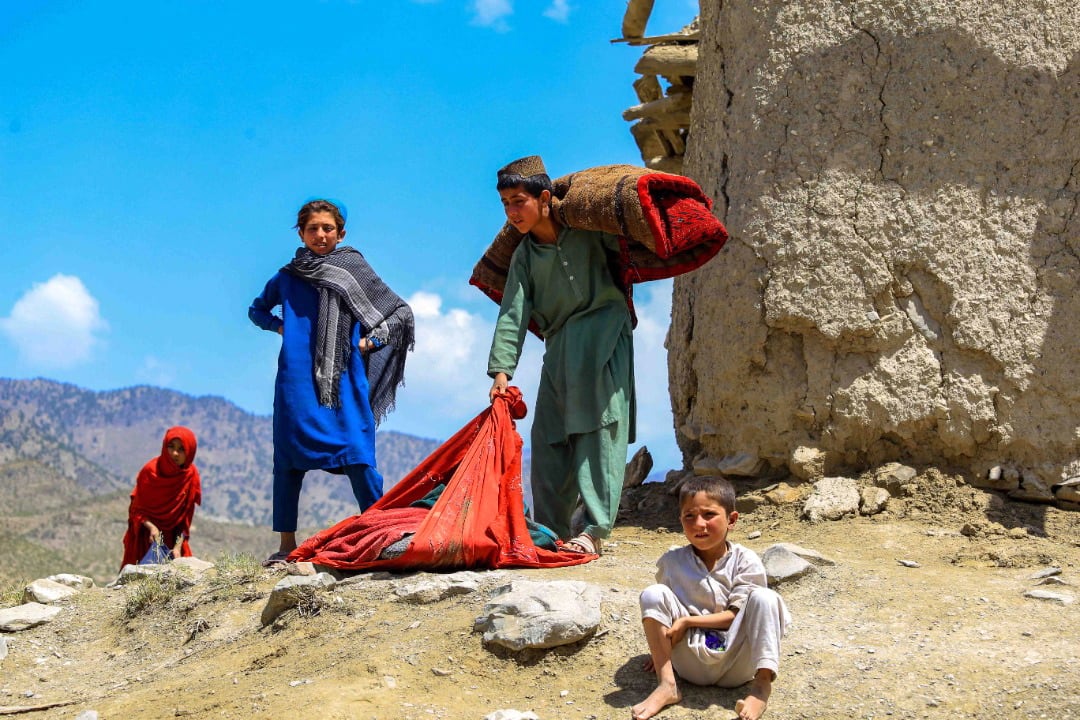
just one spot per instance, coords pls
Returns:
(908, 563)
(1046, 572)
(754, 535)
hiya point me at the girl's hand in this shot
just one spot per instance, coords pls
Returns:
(365, 345)
(281, 330)
(175, 553)
(498, 386)
(154, 532)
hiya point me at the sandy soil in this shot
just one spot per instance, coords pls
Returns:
(873, 638)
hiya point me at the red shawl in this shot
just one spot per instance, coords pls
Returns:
(477, 522)
(165, 494)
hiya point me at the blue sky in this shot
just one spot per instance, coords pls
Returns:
(153, 156)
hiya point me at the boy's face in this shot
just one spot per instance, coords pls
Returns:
(176, 451)
(523, 211)
(320, 233)
(705, 523)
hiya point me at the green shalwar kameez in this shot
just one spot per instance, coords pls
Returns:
(584, 415)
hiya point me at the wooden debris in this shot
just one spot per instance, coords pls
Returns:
(636, 18)
(662, 117)
(669, 61)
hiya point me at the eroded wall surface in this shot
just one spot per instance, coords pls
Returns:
(901, 182)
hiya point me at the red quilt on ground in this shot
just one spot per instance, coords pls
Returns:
(477, 522)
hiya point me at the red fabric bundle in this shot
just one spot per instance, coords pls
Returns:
(165, 494)
(664, 223)
(477, 522)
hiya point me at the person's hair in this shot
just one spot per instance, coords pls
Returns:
(314, 206)
(534, 184)
(716, 488)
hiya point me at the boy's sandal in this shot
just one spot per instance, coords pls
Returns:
(279, 558)
(583, 544)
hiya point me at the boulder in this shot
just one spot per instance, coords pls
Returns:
(26, 616)
(289, 591)
(782, 565)
(832, 499)
(47, 592)
(529, 614)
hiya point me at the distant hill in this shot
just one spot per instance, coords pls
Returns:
(100, 440)
(69, 456)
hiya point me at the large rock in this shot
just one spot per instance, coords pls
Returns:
(832, 499)
(47, 592)
(26, 616)
(782, 565)
(900, 183)
(528, 614)
(290, 590)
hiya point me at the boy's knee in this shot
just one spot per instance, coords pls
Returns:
(764, 598)
(654, 596)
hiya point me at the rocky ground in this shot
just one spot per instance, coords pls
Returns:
(947, 633)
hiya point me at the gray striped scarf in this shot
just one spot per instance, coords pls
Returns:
(350, 290)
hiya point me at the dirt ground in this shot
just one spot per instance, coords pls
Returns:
(873, 638)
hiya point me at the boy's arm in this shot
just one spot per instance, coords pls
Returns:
(513, 323)
(749, 574)
(719, 621)
(261, 307)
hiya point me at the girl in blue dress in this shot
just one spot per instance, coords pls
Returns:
(329, 398)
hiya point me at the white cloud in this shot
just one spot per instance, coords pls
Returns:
(492, 13)
(55, 324)
(559, 11)
(446, 381)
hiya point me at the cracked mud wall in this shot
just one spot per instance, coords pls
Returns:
(900, 181)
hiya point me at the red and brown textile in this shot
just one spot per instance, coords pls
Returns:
(165, 494)
(664, 221)
(477, 522)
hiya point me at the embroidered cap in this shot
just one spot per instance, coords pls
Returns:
(524, 167)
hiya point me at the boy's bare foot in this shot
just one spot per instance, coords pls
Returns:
(659, 699)
(753, 705)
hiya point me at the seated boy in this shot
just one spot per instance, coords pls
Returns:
(711, 618)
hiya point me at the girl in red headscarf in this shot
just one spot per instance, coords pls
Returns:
(164, 499)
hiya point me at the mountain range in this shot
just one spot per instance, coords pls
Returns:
(69, 456)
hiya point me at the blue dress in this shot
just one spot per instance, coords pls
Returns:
(308, 436)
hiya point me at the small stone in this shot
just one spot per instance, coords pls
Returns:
(79, 582)
(303, 569)
(433, 588)
(908, 563)
(3, 648)
(1045, 573)
(87, 715)
(510, 714)
(563, 693)
(1052, 581)
(1052, 596)
(754, 535)
(441, 672)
